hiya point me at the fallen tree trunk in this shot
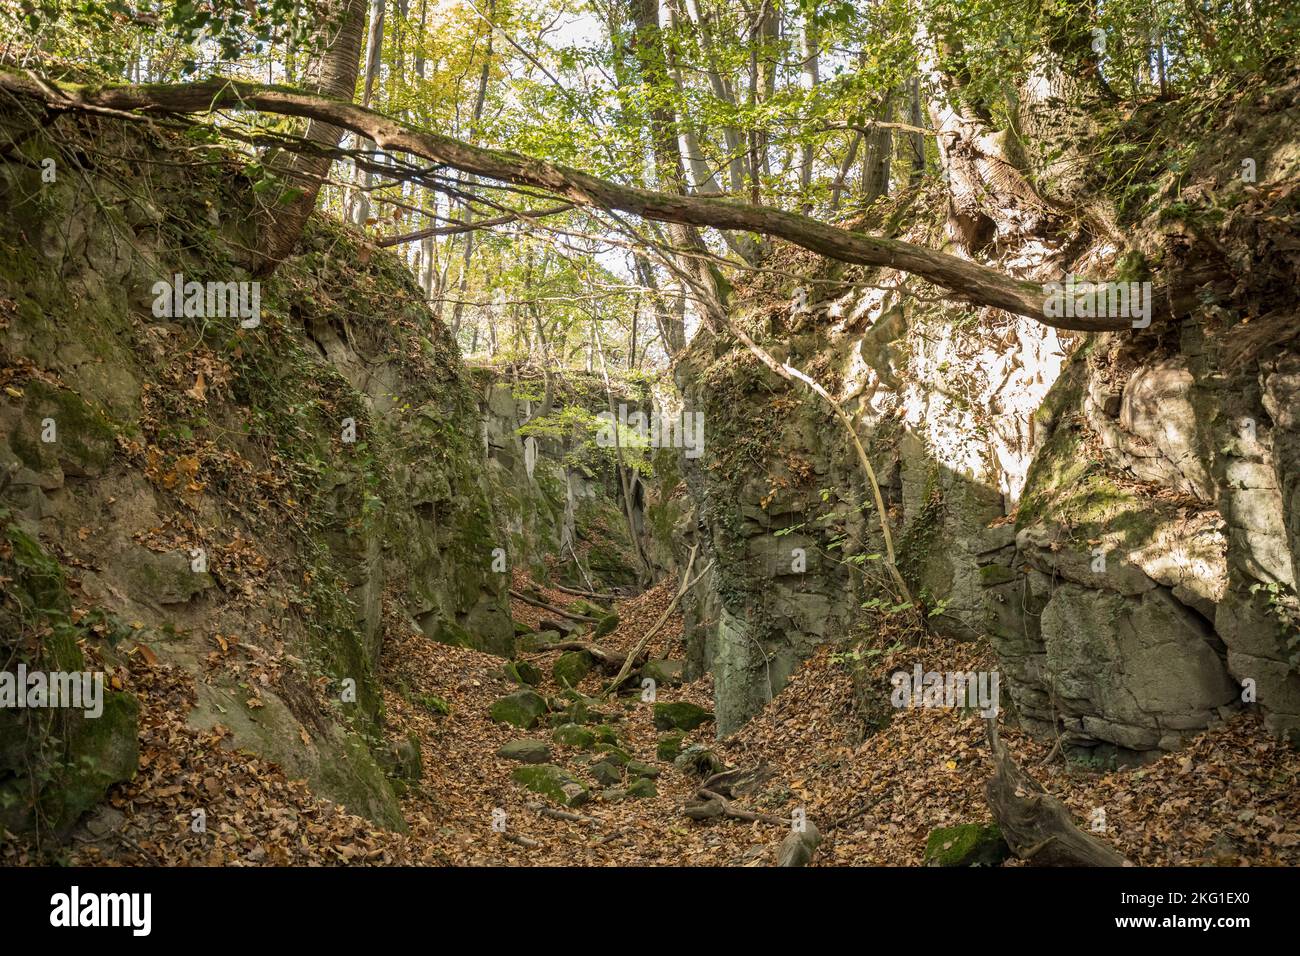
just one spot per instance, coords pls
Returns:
(965, 279)
(554, 609)
(602, 655)
(1035, 824)
(709, 804)
(593, 595)
(658, 625)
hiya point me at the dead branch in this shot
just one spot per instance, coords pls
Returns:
(554, 609)
(1035, 824)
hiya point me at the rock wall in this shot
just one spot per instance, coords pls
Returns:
(557, 492)
(1117, 513)
(254, 505)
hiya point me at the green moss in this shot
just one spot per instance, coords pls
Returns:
(553, 783)
(571, 667)
(992, 575)
(523, 708)
(55, 763)
(969, 844)
(680, 715)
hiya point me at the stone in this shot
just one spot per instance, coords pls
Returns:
(571, 667)
(680, 715)
(526, 751)
(670, 745)
(968, 844)
(699, 760)
(665, 673)
(607, 625)
(404, 759)
(1132, 668)
(523, 709)
(522, 672)
(553, 783)
(638, 768)
(529, 643)
(615, 755)
(642, 788)
(574, 735)
(606, 774)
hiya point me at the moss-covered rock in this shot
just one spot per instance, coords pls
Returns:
(615, 755)
(670, 746)
(574, 735)
(606, 774)
(526, 751)
(55, 762)
(571, 667)
(530, 643)
(642, 788)
(523, 708)
(639, 768)
(522, 672)
(680, 715)
(665, 673)
(968, 844)
(606, 625)
(699, 760)
(553, 783)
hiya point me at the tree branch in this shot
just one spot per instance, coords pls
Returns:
(965, 279)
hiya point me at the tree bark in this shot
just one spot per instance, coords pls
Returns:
(1035, 824)
(285, 215)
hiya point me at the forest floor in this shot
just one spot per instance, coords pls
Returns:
(1230, 798)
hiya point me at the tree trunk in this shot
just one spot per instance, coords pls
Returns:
(1035, 824)
(879, 154)
(285, 214)
(808, 76)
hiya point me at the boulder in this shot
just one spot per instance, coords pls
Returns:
(969, 844)
(680, 715)
(699, 760)
(641, 788)
(606, 774)
(553, 783)
(571, 667)
(798, 847)
(574, 735)
(670, 746)
(529, 643)
(615, 755)
(523, 708)
(526, 751)
(665, 673)
(638, 768)
(522, 672)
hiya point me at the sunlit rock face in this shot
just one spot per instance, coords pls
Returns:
(944, 400)
(1119, 515)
